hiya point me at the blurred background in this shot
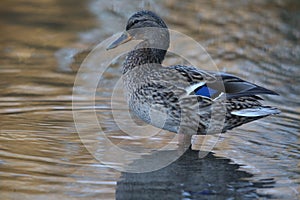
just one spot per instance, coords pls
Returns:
(43, 43)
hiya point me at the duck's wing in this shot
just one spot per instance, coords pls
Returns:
(212, 84)
(236, 87)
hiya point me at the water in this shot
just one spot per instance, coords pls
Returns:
(41, 154)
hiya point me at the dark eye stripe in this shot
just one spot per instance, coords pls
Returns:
(135, 22)
(138, 21)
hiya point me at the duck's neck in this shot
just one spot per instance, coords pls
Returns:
(143, 56)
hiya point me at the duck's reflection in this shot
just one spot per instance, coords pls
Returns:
(190, 178)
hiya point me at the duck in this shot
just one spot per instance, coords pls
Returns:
(182, 99)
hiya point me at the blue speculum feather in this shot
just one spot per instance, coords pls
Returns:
(205, 91)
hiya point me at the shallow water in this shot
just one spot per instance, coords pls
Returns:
(42, 155)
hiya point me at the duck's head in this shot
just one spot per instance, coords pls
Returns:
(147, 27)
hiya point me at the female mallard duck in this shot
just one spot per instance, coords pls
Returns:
(182, 99)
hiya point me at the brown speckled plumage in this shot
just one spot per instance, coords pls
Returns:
(179, 98)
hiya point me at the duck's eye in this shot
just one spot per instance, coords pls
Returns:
(134, 22)
(131, 24)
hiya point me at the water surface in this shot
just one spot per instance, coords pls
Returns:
(43, 44)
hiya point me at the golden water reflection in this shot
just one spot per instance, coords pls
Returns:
(42, 46)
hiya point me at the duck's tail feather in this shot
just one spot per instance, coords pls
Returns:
(256, 112)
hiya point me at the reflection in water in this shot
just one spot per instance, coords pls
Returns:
(41, 155)
(191, 178)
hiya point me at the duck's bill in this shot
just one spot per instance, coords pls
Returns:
(125, 37)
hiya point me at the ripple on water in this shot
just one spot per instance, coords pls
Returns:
(41, 154)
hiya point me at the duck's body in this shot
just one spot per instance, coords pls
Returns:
(183, 99)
